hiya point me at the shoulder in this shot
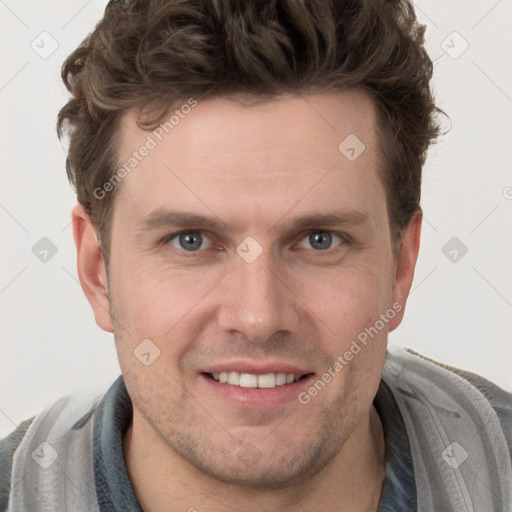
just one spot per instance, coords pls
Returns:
(61, 424)
(8, 447)
(499, 399)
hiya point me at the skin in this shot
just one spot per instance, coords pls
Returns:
(255, 169)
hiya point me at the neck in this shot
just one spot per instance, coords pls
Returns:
(351, 482)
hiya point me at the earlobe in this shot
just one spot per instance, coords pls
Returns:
(406, 258)
(91, 267)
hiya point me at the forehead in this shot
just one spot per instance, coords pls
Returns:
(220, 153)
(331, 114)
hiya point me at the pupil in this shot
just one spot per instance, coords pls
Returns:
(322, 239)
(190, 241)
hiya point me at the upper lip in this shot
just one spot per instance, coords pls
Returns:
(255, 368)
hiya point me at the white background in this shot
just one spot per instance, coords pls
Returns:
(459, 313)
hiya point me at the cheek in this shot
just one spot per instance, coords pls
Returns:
(348, 299)
(348, 304)
(160, 304)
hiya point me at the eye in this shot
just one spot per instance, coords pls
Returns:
(190, 241)
(321, 240)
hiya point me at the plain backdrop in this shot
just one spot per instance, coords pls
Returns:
(460, 308)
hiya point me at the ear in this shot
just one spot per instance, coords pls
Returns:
(405, 264)
(91, 267)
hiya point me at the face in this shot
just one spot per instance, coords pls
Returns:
(248, 246)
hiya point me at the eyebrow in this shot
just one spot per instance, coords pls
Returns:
(161, 219)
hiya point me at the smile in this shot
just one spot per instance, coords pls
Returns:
(251, 380)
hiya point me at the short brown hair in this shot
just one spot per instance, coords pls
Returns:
(147, 53)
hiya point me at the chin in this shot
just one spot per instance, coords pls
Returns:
(277, 464)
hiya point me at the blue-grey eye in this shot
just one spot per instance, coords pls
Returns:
(321, 240)
(190, 241)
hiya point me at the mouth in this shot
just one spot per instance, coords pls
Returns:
(256, 381)
(254, 384)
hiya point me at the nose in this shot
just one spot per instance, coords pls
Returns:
(258, 301)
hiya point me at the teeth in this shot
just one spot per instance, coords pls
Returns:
(267, 381)
(249, 380)
(280, 379)
(234, 378)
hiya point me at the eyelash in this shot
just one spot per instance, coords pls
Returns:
(342, 236)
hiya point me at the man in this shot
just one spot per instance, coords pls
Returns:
(248, 222)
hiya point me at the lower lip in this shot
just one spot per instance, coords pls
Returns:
(260, 398)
